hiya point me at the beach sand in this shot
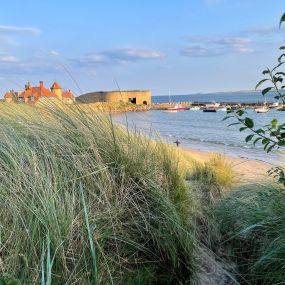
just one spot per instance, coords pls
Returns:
(247, 170)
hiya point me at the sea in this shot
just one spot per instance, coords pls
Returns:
(206, 131)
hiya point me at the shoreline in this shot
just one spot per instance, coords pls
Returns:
(247, 170)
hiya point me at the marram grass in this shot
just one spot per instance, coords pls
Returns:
(252, 224)
(85, 202)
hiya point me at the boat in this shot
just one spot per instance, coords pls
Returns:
(224, 109)
(210, 109)
(177, 107)
(274, 105)
(213, 105)
(195, 108)
(263, 109)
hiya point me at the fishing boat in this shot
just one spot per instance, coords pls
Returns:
(176, 108)
(262, 109)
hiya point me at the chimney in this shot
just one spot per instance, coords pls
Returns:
(41, 84)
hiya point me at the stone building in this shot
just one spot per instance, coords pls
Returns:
(138, 97)
(32, 94)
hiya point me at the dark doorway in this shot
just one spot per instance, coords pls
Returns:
(144, 102)
(133, 100)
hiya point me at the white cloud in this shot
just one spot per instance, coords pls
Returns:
(17, 29)
(8, 58)
(216, 46)
(117, 56)
(262, 30)
(54, 52)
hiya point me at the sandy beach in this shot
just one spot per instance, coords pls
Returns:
(247, 170)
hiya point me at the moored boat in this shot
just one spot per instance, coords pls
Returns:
(263, 109)
(177, 107)
(210, 109)
(274, 105)
(195, 108)
(213, 105)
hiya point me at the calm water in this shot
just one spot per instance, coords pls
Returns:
(202, 131)
(238, 97)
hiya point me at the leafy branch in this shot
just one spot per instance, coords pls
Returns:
(272, 135)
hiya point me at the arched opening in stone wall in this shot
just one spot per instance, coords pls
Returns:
(144, 102)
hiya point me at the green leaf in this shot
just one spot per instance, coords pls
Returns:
(266, 90)
(260, 83)
(270, 148)
(233, 124)
(256, 140)
(260, 131)
(227, 117)
(249, 138)
(266, 145)
(249, 122)
(280, 58)
(242, 129)
(240, 112)
(265, 141)
(282, 47)
(280, 73)
(282, 20)
(274, 123)
(281, 143)
(277, 79)
(266, 71)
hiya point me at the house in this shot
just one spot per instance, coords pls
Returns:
(32, 94)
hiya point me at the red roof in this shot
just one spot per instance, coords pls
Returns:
(67, 94)
(8, 95)
(55, 86)
(37, 92)
(40, 91)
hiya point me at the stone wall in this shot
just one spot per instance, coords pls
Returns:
(134, 96)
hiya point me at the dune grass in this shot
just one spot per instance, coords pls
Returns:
(252, 224)
(114, 107)
(86, 202)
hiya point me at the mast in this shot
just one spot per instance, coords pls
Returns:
(169, 96)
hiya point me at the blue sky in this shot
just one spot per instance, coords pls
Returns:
(183, 46)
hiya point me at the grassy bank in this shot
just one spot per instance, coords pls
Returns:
(85, 202)
(114, 107)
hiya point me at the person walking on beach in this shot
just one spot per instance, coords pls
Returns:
(177, 142)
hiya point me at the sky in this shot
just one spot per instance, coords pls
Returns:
(181, 46)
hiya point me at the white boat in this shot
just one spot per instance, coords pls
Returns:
(195, 108)
(263, 109)
(224, 109)
(213, 105)
(274, 105)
